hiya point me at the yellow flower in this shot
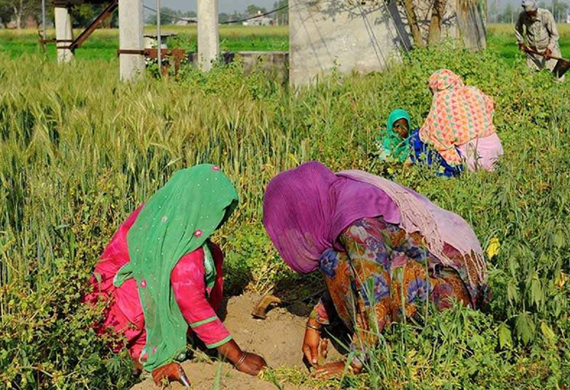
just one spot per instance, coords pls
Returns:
(493, 248)
(561, 280)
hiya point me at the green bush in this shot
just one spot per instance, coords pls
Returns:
(46, 340)
(458, 348)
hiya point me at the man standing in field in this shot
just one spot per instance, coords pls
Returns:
(538, 27)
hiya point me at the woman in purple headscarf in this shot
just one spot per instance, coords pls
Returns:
(383, 251)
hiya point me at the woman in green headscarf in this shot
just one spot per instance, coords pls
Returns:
(403, 144)
(394, 143)
(163, 277)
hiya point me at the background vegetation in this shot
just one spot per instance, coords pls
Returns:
(103, 44)
(80, 151)
(501, 40)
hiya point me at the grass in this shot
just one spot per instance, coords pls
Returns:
(103, 44)
(501, 40)
(80, 151)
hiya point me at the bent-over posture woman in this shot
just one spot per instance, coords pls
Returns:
(162, 277)
(382, 249)
(460, 123)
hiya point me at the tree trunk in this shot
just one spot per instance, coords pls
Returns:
(413, 23)
(18, 21)
(437, 12)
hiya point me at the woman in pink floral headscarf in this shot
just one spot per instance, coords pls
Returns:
(460, 123)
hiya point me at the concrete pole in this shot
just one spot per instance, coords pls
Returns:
(208, 33)
(131, 38)
(44, 20)
(63, 34)
(158, 37)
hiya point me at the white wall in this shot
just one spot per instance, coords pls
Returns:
(350, 36)
(328, 34)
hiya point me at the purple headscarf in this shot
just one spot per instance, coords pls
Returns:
(307, 208)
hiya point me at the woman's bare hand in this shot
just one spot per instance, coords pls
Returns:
(252, 364)
(314, 346)
(335, 369)
(248, 363)
(329, 370)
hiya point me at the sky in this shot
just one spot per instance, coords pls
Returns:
(227, 6)
(501, 4)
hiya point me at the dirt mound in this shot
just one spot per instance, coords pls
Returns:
(278, 339)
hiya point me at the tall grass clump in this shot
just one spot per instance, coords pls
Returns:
(81, 150)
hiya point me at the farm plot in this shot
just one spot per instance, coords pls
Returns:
(80, 151)
(103, 44)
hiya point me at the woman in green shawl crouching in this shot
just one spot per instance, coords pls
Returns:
(162, 276)
(401, 143)
(394, 146)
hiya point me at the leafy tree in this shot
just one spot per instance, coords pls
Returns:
(437, 13)
(6, 13)
(83, 15)
(559, 9)
(188, 14)
(282, 16)
(167, 16)
(413, 23)
(223, 17)
(234, 16)
(509, 14)
(19, 10)
(493, 11)
(254, 9)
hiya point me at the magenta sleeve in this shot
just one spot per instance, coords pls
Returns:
(189, 288)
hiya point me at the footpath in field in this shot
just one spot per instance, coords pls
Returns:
(278, 339)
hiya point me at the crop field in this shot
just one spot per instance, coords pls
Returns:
(79, 151)
(103, 44)
(501, 39)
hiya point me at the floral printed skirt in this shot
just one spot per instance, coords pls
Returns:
(387, 273)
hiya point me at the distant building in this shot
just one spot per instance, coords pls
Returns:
(186, 21)
(151, 40)
(259, 20)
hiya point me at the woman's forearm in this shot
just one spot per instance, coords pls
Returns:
(230, 351)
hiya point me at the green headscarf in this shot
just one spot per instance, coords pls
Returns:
(178, 219)
(393, 145)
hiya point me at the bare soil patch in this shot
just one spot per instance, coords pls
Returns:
(278, 339)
